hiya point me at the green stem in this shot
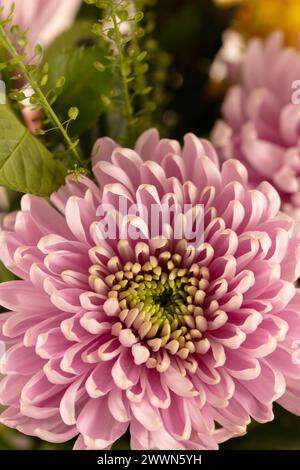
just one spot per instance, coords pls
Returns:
(128, 109)
(9, 47)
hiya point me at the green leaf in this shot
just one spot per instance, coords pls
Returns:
(139, 16)
(84, 85)
(99, 66)
(141, 56)
(123, 15)
(38, 49)
(44, 80)
(60, 82)
(25, 163)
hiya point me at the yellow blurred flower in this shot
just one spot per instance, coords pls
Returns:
(261, 17)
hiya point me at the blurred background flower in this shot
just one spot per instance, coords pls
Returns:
(261, 123)
(260, 18)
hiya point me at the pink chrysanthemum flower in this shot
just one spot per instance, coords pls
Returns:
(181, 346)
(261, 123)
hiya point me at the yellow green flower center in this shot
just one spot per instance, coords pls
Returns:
(162, 302)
